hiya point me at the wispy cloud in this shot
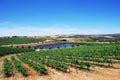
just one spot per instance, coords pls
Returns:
(13, 29)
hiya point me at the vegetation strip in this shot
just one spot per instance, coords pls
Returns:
(9, 50)
(38, 67)
(19, 66)
(7, 68)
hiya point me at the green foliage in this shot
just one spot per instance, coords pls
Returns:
(83, 57)
(7, 68)
(19, 66)
(9, 50)
(38, 67)
(6, 41)
(77, 56)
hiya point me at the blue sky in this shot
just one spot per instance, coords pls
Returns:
(49, 17)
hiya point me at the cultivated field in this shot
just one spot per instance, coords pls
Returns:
(7, 41)
(90, 62)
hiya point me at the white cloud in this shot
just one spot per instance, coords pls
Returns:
(30, 31)
(12, 30)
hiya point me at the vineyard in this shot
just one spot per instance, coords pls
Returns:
(6, 41)
(9, 50)
(82, 58)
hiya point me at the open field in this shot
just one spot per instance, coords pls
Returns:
(93, 62)
(9, 50)
(6, 41)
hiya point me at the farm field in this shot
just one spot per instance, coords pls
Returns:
(93, 62)
(9, 50)
(7, 41)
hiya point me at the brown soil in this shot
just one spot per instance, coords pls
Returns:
(31, 71)
(1, 63)
(97, 73)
